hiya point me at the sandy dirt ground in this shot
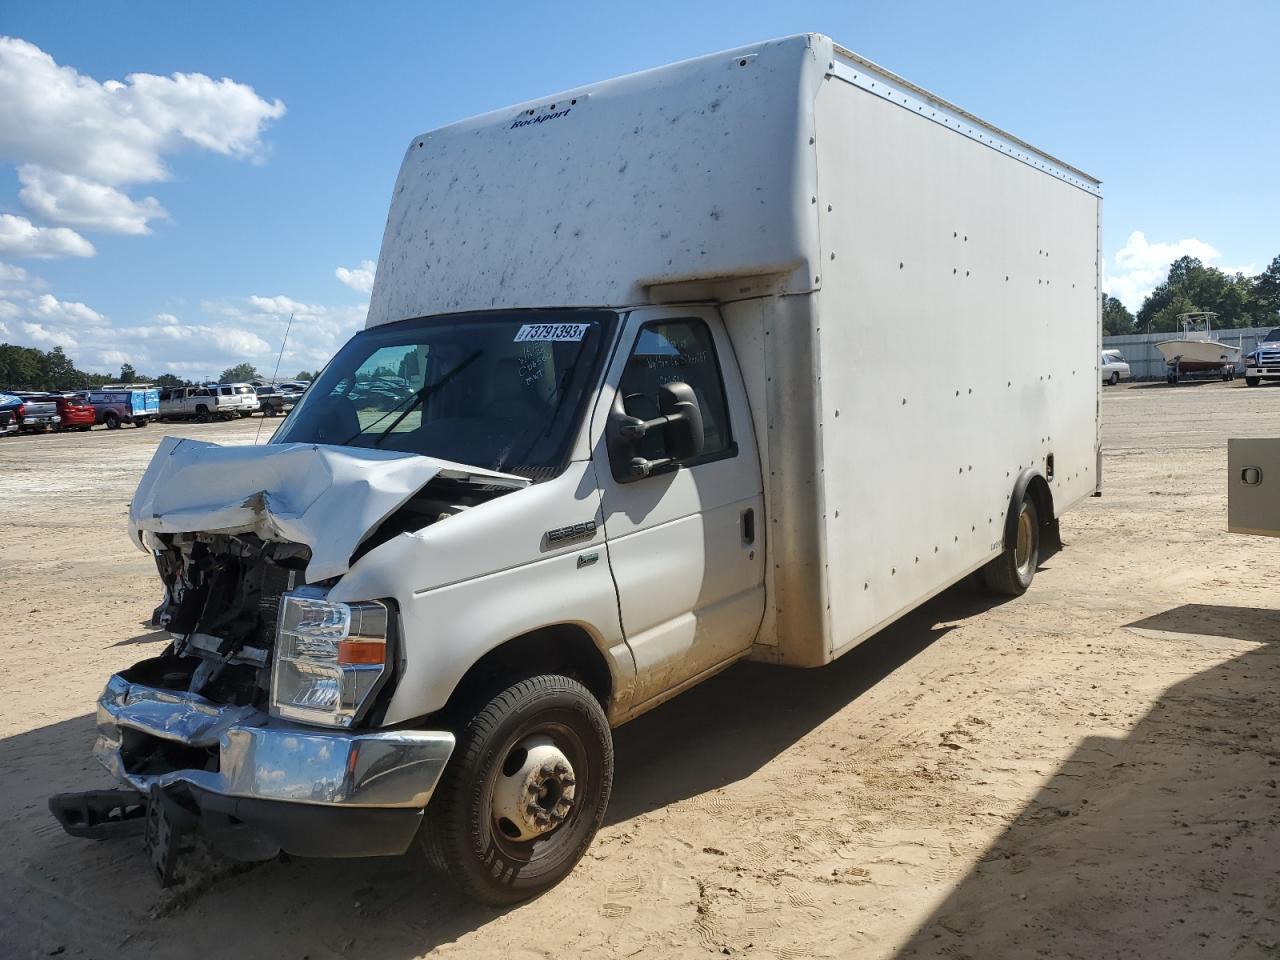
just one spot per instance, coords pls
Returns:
(1087, 771)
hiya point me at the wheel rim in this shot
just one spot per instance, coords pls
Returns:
(1022, 547)
(535, 791)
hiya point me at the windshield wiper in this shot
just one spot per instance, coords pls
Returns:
(420, 396)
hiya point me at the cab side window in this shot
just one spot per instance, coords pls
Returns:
(677, 350)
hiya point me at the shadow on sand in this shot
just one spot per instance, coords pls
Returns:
(1164, 843)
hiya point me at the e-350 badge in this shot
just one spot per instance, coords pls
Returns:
(571, 534)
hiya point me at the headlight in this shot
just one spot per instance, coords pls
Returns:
(329, 658)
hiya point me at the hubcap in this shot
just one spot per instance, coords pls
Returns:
(534, 791)
(1022, 549)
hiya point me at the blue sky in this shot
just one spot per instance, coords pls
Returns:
(235, 203)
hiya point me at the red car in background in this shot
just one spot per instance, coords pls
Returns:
(76, 411)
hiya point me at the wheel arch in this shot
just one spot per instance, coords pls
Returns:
(1033, 484)
(561, 648)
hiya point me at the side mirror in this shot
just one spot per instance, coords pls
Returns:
(679, 420)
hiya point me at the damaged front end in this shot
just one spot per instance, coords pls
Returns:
(225, 730)
(256, 724)
(221, 605)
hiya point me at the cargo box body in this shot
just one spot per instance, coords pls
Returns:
(912, 296)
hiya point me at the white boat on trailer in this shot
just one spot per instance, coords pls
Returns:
(1197, 351)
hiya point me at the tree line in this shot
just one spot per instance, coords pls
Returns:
(30, 368)
(1190, 287)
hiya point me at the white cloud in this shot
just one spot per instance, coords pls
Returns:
(49, 308)
(66, 198)
(80, 141)
(317, 333)
(42, 336)
(15, 281)
(359, 277)
(19, 237)
(1140, 265)
(227, 332)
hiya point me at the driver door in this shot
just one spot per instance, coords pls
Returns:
(685, 544)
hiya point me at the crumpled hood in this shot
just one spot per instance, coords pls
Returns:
(329, 498)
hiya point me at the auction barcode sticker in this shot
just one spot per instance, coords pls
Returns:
(552, 332)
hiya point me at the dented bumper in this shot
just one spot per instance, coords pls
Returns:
(293, 785)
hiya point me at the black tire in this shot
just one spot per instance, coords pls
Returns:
(112, 421)
(1012, 572)
(1114, 378)
(269, 410)
(245, 414)
(85, 429)
(202, 414)
(463, 833)
(140, 422)
(1252, 381)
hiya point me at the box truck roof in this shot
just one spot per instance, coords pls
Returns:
(701, 171)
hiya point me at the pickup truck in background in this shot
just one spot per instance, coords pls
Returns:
(1264, 362)
(559, 478)
(221, 401)
(115, 406)
(38, 413)
(275, 401)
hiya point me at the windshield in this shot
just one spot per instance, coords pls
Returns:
(503, 391)
(1273, 336)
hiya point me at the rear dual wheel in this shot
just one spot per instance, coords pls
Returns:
(524, 792)
(1011, 573)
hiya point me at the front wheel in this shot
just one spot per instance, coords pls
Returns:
(524, 792)
(1114, 378)
(203, 415)
(1012, 572)
(1252, 381)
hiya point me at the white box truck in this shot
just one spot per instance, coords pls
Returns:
(742, 357)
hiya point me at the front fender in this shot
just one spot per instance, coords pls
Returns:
(468, 584)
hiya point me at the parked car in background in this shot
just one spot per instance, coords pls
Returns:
(276, 401)
(237, 398)
(76, 411)
(9, 405)
(215, 400)
(1264, 362)
(117, 405)
(37, 413)
(1114, 367)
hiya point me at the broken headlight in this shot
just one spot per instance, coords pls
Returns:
(329, 658)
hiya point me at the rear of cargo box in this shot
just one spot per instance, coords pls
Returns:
(955, 346)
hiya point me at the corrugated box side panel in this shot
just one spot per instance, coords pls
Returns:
(957, 332)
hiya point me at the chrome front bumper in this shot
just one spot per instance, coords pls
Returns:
(254, 756)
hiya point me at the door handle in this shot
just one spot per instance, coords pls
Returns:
(749, 525)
